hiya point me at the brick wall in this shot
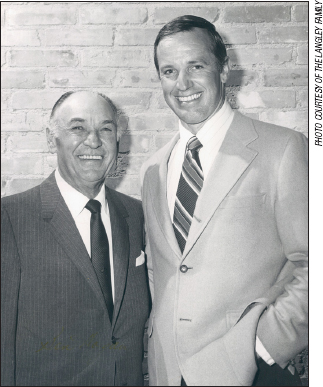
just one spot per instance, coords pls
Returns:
(50, 48)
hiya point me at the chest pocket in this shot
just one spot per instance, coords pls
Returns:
(243, 201)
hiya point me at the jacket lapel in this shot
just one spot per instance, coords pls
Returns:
(120, 243)
(57, 214)
(157, 187)
(232, 160)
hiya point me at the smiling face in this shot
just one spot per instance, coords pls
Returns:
(85, 140)
(192, 82)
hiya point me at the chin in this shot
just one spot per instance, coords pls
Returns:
(93, 178)
(194, 120)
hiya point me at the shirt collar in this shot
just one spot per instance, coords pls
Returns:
(74, 199)
(211, 126)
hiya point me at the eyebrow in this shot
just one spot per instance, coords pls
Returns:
(108, 122)
(198, 60)
(76, 119)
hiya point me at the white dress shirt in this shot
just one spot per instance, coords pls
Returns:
(211, 136)
(76, 203)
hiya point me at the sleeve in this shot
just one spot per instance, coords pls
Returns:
(146, 241)
(283, 327)
(149, 266)
(10, 280)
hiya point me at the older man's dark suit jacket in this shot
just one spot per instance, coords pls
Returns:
(55, 325)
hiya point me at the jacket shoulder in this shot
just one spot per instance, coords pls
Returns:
(23, 200)
(126, 200)
(130, 204)
(272, 132)
(20, 208)
(156, 158)
(270, 139)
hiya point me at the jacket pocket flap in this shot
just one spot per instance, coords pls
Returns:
(234, 316)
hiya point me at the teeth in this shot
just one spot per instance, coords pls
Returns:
(85, 157)
(189, 98)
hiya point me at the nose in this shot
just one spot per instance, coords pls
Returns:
(93, 139)
(184, 81)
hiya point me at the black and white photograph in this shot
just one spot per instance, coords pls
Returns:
(155, 198)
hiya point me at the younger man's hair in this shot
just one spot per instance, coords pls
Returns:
(188, 23)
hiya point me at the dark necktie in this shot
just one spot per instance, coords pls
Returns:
(189, 187)
(100, 253)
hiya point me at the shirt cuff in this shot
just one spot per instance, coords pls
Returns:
(262, 352)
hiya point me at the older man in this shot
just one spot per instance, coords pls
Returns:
(74, 291)
(225, 204)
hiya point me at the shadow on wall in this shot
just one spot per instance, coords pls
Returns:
(116, 176)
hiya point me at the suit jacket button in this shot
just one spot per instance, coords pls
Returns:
(183, 268)
(113, 340)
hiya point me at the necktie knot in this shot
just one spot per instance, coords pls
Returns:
(194, 144)
(94, 206)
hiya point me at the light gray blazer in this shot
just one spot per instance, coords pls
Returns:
(247, 259)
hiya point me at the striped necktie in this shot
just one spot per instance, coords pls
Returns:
(189, 187)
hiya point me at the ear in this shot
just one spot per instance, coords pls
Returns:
(51, 141)
(225, 70)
